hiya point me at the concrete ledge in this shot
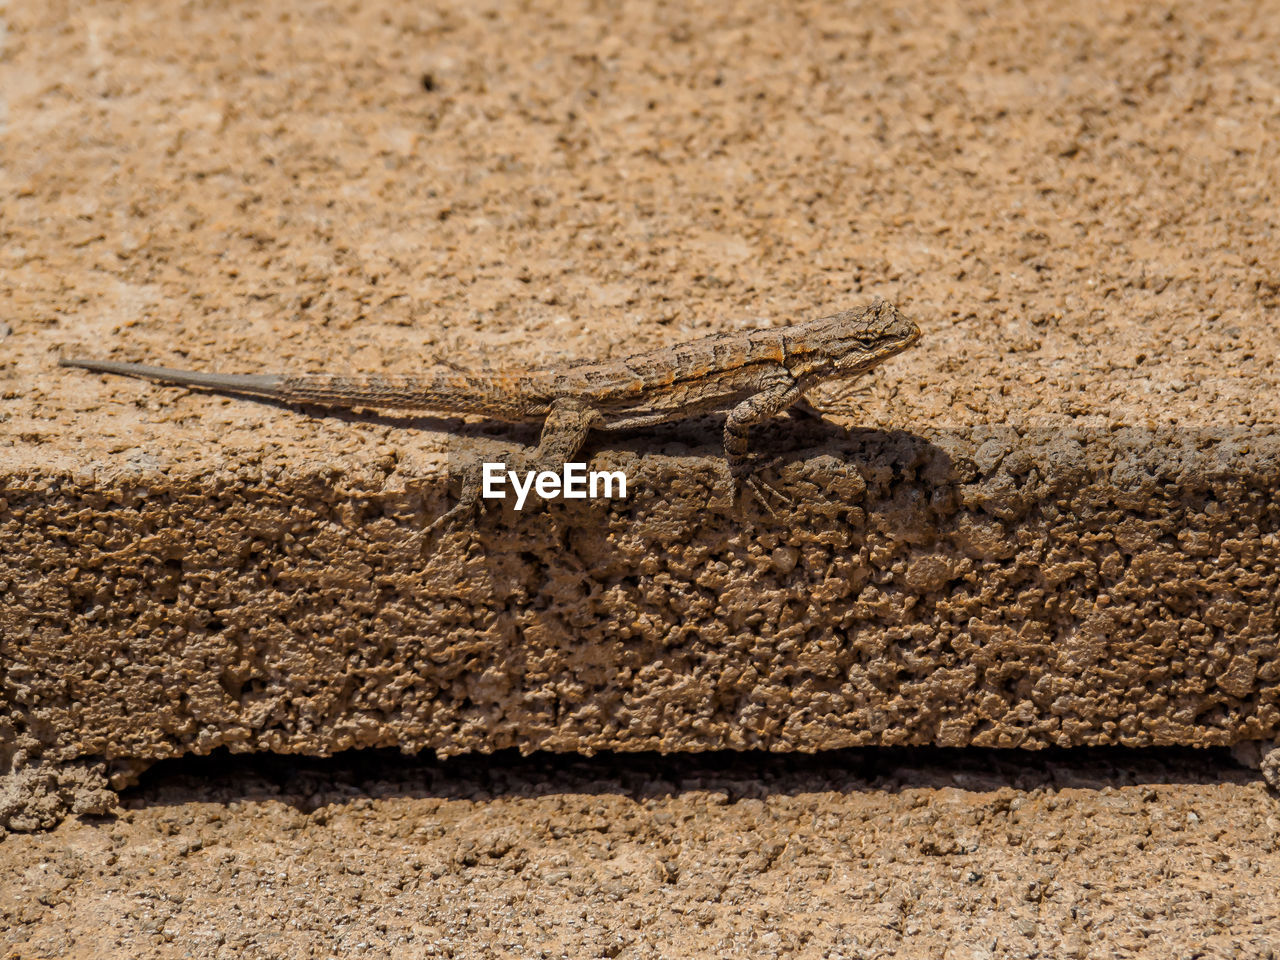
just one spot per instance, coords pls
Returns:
(1009, 588)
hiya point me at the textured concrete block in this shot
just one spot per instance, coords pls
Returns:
(1010, 589)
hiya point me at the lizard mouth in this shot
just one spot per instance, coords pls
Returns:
(901, 331)
(910, 335)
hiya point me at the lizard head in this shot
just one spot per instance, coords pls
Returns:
(859, 339)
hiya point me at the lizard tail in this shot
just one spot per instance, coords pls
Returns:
(458, 393)
(264, 385)
(493, 395)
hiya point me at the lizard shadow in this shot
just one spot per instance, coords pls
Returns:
(795, 431)
(826, 449)
(808, 475)
(442, 424)
(807, 459)
(784, 437)
(795, 435)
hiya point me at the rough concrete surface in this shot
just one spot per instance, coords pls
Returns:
(997, 589)
(1053, 523)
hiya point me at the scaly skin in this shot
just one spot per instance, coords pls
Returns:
(754, 375)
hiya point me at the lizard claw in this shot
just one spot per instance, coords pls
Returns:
(451, 521)
(761, 490)
(447, 518)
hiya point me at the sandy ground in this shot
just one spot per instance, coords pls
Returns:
(962, 854)
(1077, 201)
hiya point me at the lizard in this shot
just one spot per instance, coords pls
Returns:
(753, 374)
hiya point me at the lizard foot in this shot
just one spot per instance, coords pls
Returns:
(469, 502)
(454, 520)
(446, 519)
(761, 490)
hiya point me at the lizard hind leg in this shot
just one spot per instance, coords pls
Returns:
(569, 420)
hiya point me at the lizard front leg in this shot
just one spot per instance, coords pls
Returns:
(776, 394)
(565, 429)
